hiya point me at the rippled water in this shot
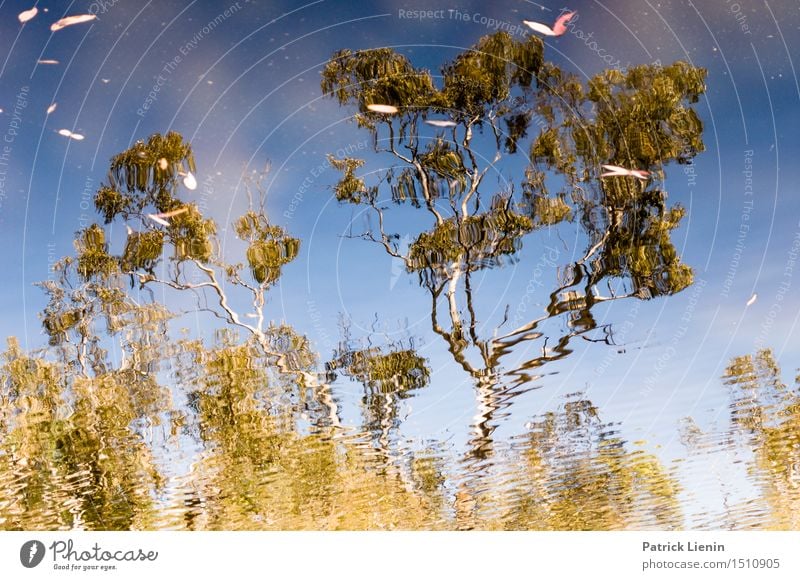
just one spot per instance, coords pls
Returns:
(256, 449)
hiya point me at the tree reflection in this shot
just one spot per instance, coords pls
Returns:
(765, 413)
(78, 446)
(576, 474)
(89, 427)
(78, 460)
(259, 469)
(389, 375)
(493, 95)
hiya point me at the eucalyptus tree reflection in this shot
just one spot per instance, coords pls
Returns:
(762, 437)
(148, 175)
(576, 473)
(765, 414)
(72, 453)
(259, 469)
(492, 95)
(246, 428)
(77, 430)
(78, 433)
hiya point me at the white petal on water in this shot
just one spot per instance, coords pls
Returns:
(162, 164)
(51, 108)
(70, 20)
(105, 81)
(617, 171)
(441, 123)
(47, 61)
(70, 134)
(157, 219)
(161, 218)
(189, 181)
(539, 27)
(26, 15)
(752, 300)
(387, 109)
(172, 213)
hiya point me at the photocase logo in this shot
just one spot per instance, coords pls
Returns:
(31, 553)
